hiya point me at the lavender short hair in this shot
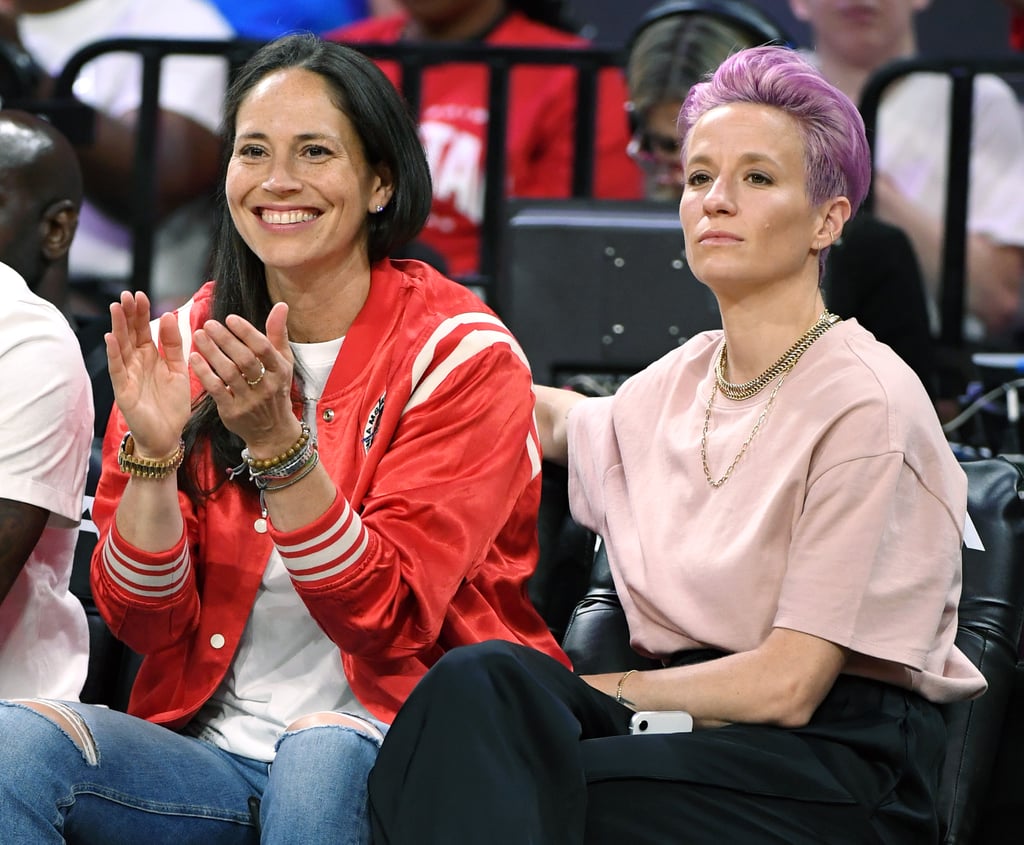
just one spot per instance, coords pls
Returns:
(836, 152)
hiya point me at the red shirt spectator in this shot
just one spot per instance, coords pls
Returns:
(542, 104)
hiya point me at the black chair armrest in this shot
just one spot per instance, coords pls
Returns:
(597, 636)
(991, 616)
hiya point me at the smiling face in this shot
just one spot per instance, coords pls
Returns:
(298, 186)
(746, 216)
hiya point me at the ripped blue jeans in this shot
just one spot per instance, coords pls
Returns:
(118, 779)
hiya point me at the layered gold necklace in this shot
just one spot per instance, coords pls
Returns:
(779, 370)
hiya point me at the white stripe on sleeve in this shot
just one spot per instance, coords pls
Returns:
(472, 344)
(145, 580)
(327, 554)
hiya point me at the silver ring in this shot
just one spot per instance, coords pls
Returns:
(252, 382)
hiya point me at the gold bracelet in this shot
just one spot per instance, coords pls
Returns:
(261, 465)
(148, 468)
(618, 689)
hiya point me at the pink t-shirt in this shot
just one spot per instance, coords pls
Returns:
(844, 519)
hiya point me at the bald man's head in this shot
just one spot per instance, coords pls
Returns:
(40, 196)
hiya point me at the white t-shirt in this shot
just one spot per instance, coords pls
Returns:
(912, 148)
(46, 424)
(286, 666)
(193, 86)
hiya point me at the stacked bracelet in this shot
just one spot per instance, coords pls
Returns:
(266, 487)
(259, 466)
(287, 468)
(148, 468)
(282, 471)
(294, 478)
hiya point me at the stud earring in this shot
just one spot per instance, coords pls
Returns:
(380, 208)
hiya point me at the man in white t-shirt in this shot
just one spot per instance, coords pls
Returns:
(46, 415)
(46, 421)
(188, 150)
(851, 42)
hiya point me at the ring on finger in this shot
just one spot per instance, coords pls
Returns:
(252, 382)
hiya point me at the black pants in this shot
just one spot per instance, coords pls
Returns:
(499, 744)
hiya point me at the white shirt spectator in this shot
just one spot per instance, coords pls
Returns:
(917, 160)
(192, 86)
(46, 419)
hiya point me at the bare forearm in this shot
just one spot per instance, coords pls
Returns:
(20, 528)
(149, 514)
(552, 411)
(299, 504)
(187, 157)
(187, 153)
(716, 693)
(994, 281)
(993, 271)
(781, 683)
(992, 278)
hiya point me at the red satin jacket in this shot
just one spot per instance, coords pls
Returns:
(426, 426)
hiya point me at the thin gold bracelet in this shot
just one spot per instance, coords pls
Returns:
(618, 689)
(147, 468)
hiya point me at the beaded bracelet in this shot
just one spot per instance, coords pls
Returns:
(286, 470)
(260, 466)
(265, 488)
(147, 468)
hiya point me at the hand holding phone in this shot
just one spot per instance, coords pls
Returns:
(660, 722)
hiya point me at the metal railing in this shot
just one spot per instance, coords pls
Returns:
(413, 59)
(962, 73)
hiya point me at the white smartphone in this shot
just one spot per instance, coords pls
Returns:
(660, 722)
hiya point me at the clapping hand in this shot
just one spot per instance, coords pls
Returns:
(151, 390)
(249, 375)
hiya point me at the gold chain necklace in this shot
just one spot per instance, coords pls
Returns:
(779, 369)
(784, 364)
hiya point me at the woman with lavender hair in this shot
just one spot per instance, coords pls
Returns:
(783, 521)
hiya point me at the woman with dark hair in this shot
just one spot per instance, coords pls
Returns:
(783, 520)
(324, 477)
(541, 113)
